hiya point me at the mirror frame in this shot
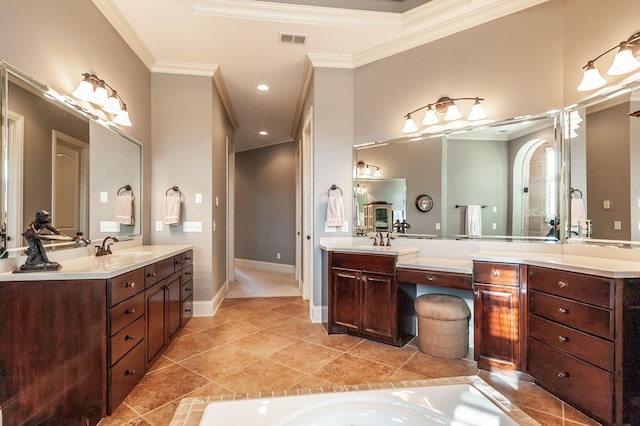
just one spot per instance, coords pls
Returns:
(66, 103)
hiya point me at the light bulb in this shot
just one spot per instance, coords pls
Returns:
(591, 79)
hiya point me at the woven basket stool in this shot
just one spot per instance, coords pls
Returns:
(443, 325)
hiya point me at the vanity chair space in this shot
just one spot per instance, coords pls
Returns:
(76, 342)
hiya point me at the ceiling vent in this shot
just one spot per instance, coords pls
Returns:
(293, 38)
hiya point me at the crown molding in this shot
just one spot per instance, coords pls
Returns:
(173, 67)
(305, 83)
(293, 13)
(122, 27)
(331, 61)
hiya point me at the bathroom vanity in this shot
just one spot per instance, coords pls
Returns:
(75, 342)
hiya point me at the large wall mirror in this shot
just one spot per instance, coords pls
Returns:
(509, 170)
(58, 157)
(604, 136)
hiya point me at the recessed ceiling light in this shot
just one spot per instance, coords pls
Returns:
(264, 133)
(263, 87)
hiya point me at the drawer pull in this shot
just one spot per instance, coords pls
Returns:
(132, 337)
(187, 289)
(430, 278)
(562, 284)
(563, 339)
(495, 272)
(187, 310)
(129, 311)
(563, 310)
(151, 275)
(563, 374)
(131, 284)
(130, 373)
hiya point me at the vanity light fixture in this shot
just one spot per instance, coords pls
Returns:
(624, 62)
(93, 89)
(364, 170)
(447, 106)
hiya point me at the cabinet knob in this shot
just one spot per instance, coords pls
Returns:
(130, 373)
(129, 311)
(132, 337)
(187, 273)
(563, 310)
(495, 272)
(430, 278)
(187, 289)
(476, 293)
(563, 374)
(151, 275)
(187, 310)
(562, 284)
(131, 284)
(563, 338)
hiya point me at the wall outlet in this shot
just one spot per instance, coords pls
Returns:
(606, 204)
(277, 255)
(192, 227)
(159, 225)
(109, 226)
(494, 226)
(104, 197)
(437, 226)
(495, 209)
(617, 225)
(198, 198)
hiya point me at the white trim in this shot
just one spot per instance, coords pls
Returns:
(208, 308)
(15, 133)
(264, 266)
(185, 68)
(318, 312)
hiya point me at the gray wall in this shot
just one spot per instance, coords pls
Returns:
(265, 204)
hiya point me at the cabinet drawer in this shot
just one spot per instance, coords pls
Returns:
(187, 310)
(125, 312)
(187, 257)
(124, 286)
(178, 262)
(496, 273)
(124, 375)
(165, 268)
(572, 379)
(585, 288)
(187, 273)
(364, 262)
(127, 338)
(587, 318)
(581, 345)
(150, 275)
(440, 279)
(187, 289)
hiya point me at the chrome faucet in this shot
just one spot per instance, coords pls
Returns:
(80, 240)
(102, 250)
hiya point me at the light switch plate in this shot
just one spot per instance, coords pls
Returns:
(104, 197)
(109, 226)
(159, 225)
(192, 227)
(198, 198)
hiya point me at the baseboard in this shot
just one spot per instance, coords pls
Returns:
(264, 266)
(317, 313)
(207, 308)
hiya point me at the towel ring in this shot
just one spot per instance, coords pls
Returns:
(334, 188)
(174, 189)
(574, 190)
(125, 188)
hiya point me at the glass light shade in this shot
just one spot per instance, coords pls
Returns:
(430, 117)
(123, 118)
(452, 113)
(113, 106)
(101, 96)
(623, 62)
(477, 112)
(591, 79)
(409, 126)
(575, 119)
(377, 173)
(367, 171)
(84, 90)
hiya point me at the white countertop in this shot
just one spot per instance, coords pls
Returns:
(401, 251)
(606, 267)
(102, 267)
(463, 266)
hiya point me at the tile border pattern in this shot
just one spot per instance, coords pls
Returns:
(190, 410)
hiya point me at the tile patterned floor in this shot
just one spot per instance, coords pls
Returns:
(269, 344)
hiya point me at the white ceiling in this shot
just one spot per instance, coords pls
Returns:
(240, 38)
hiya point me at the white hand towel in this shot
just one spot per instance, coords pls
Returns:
(335, 211)
(172, 206)
(474, 220)
(124, 209)
(577, 211)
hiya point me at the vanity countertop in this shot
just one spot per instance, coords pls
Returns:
(403, 253)
(606, 267)
(102, 267)
(462, 266)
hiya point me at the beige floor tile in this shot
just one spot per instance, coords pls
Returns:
(432, 367)
(219, 362)
(230, 331)
(351, 370)
(264, 343)
(297, 327)
(382, 353)
(261, 375)
(342, 342)
(190, 345)
(305, 356)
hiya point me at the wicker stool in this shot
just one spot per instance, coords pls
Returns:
(443, 325)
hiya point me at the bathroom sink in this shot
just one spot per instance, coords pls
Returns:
(130, 255)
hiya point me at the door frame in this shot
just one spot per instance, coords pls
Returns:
(306, 237)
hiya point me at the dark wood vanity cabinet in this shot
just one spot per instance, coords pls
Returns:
(364, 296)
(498, 326)
(583, 341)
(73, 349)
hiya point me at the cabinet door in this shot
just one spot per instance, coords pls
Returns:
(345, 299)
(155, 298)
(496, 325)
(379, 305)
(174, 304)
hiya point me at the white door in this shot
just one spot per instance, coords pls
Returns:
(307, 209)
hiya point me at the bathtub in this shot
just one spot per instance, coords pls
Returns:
(450, 404)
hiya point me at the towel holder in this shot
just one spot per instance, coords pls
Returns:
(463, 205)
(575, 190)
(125, 188)
(334, 187)
(174, 189)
